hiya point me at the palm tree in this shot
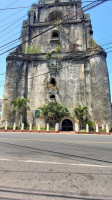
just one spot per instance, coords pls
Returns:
(19, 106)
(81, 113)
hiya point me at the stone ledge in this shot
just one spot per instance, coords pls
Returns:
(63, 56)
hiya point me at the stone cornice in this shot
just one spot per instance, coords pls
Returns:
(63, 56)
(40, 24)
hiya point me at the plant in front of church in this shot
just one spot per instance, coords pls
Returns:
(19, 106)
(81, 113)
(53, 113)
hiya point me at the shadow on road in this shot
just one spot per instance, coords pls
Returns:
(55, 153)
(49, 194)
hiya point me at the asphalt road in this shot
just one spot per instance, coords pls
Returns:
(55, 166)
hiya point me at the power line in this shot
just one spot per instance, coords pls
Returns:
(18, 25)
(80, 57)
(15, 8)
(107, 44)
(10, 5)
(11, 15)
(57, 25)
(13, 23)
(19, 37)
(96, 3)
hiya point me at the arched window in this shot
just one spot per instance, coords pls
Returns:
(53, 82)
(55, 15)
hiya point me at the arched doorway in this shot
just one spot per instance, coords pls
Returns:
(67, 125)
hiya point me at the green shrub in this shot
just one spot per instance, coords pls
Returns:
(2, 127)
(57, 49)
(102, 130)
(34, 128)
(91, 125)
(48, 55)
(42, 128)
(10, 127)
(51, 128)
(18, 128)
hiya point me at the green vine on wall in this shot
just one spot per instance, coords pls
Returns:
(56, 50)
(32, 49)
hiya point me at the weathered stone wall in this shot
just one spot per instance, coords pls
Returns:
(44, 15)
(79, 82)
(101, 103)
(79, 69)
(71, 38)
(14, 86)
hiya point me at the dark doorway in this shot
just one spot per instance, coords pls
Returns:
(67, 125)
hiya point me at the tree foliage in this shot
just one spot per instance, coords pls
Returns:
(54, 112)
(81, 113)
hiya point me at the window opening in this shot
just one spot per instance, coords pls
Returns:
(55, 34)
(53, 82)
(52, 96)
(34, 18)
(55, 15)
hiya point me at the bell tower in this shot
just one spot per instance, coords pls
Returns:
(58, 63)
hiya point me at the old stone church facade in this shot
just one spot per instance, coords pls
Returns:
(63, 64)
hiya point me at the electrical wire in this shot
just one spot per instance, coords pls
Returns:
(18, 26)
(51, 23)
(5, 73)
(12, 24)
(10, 5)
(15, 8)
(96, 3)
(11, 15)
(80, 57)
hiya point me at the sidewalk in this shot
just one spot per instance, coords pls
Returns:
(58, 132)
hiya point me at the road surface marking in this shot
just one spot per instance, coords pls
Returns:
(4, 159)
(72, 164)
(56, 163)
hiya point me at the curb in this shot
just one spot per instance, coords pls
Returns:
(60, 132)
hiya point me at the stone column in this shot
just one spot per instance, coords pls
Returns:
(14, 127)
(30, 129)
(39, 127)
(107, 128)
(22, 127)
(47, 127)
(6, 125)
(97, 129)
(103, 127)
(87, 128)
(57, 127)
(76, 127)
